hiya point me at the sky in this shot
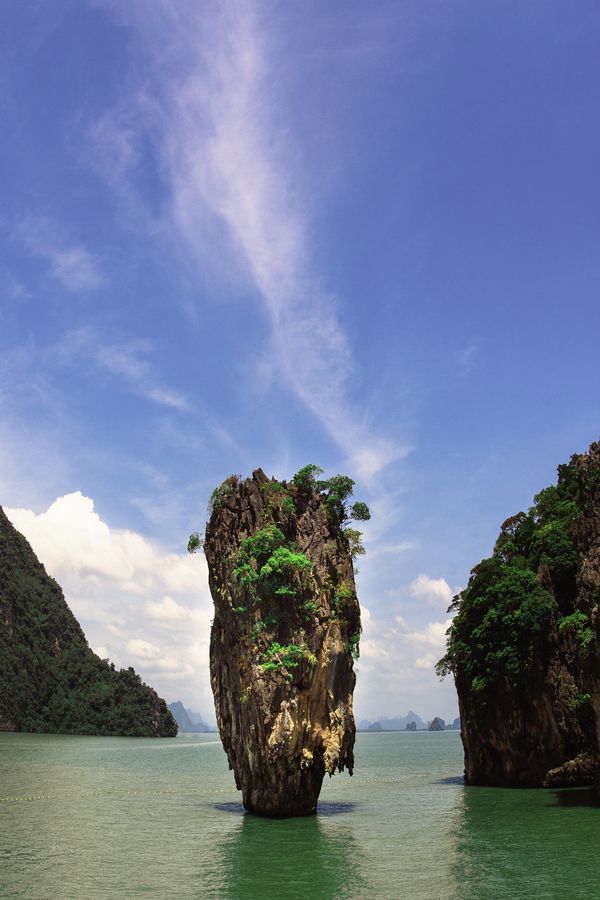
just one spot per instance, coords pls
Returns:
(242, 234)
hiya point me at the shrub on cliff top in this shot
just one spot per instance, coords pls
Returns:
(221, 492)
(338, 489)
(307, 477)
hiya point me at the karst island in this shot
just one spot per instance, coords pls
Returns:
(285, 633)
(523, 646)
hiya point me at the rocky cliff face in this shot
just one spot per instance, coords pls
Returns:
(286, 626)
(524, 646)
(50, 679)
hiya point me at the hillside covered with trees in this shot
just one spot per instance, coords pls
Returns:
(51, 681)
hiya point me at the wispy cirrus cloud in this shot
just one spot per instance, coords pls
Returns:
(467, 359)
(222, 135)
(71, 264)
(129, 360)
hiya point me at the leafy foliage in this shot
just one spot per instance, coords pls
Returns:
(338, 490)
(504, 612)
(581, 700)
(194, 542)
(343, 594)
(306, 478)
(360, 511)
(288, 506)
(283, 560)
(578, 623)
(220, 493)
(354, 645)
(262, 544)
(355, 544)
(267, 561)
(277, 657)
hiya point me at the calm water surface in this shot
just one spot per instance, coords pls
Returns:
(92, 818)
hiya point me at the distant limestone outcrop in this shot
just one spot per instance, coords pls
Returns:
(187, 722)
(395, 723)
(524, 645)
(285, 634)
(436, 724)
(51, 681)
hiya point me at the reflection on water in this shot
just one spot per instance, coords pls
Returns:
(291, 858)
(111, 818)
(516, 843)
(580, 797)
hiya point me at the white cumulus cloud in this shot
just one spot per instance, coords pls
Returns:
(434, 591)
(138, 603)
(397, 669)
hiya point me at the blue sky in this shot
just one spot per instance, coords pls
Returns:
(266, 234)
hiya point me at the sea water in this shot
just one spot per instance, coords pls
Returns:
(85, 817)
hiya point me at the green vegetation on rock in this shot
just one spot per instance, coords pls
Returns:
(221, 492)
(509, 605)
(342, 595)
(194, 542)
(266, 562)
(279, 657)
(578, 624)
(269, 568)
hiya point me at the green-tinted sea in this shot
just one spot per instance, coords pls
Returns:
(85, 817)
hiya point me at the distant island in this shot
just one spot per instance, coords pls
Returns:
(188, 722)
(412, 721)
(51, 681)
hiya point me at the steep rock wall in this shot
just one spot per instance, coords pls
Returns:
(524, 647)
(281, 658)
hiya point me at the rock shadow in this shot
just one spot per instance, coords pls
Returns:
(569, 797)
(335, 808)
(325, 808)
(230, 807)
